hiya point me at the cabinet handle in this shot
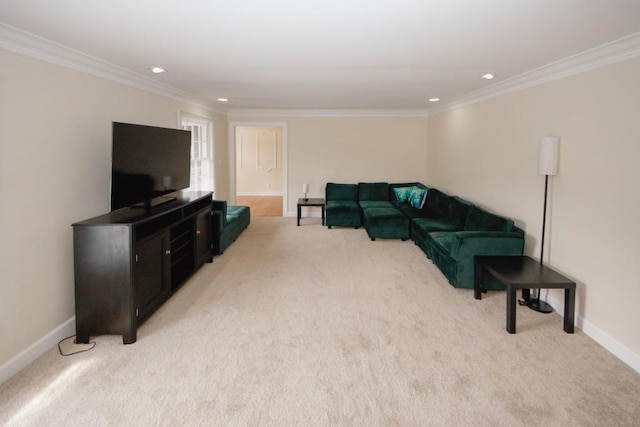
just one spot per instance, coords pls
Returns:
(168, 252)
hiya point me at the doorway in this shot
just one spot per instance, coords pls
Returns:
(257, 159)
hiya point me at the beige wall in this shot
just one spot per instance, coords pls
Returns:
(55, 148)
(487, 152)
(350, 149)
(258, 161)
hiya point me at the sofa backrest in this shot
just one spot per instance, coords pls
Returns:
(373, 191)
(220, 205)
(459, 210)
(481, 220)
(342, 192)
(438, 202)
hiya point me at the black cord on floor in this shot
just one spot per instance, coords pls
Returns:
(93, 344)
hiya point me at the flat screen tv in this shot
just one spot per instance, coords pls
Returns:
(147, 163)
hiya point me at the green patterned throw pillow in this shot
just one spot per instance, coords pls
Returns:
(402, 194)
(417, 196)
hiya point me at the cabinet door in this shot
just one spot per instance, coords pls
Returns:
(151, 284)
(203, 237)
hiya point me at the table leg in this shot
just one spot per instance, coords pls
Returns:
(322, 214)
(511, 309)
(299, 213)
(569, 309)
(477, 284)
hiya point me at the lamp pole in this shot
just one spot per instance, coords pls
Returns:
(547, 165)
(544, 217)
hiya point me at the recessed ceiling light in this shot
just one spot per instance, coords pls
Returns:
(158, 70)
(434, 99)
(488, 76)
(223, 99)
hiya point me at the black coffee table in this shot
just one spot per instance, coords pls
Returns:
(310, 202)
(523, 272)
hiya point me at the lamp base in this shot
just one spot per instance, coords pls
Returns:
(539, 306)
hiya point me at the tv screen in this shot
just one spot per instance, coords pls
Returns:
(148, 162)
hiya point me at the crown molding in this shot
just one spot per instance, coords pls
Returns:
(617, 51)
(324, 113)
(27, 44)
(18, 41)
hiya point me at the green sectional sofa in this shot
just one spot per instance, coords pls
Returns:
(228, 222)
(448, 229)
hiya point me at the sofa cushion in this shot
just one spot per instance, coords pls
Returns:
(236, 210)
(421, 227)
(481, 220)
(387, 223)
(368, 204)
(443, 240)
(402, 194)
(342, 192)
(342, 206)
(373, 191)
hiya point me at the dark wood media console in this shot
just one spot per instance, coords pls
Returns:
(129, 261)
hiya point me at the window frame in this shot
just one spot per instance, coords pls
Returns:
(207, 124)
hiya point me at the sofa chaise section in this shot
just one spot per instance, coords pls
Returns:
(380, 217)
(385, 223)
(228, 222)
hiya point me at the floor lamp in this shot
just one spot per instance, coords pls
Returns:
(547, 165)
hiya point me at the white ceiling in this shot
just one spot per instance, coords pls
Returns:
(328, 54)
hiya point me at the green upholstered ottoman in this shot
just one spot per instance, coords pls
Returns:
(385, 223)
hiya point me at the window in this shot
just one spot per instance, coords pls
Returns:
(202, 176)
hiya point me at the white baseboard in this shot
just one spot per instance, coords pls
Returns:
(37, 349)
(598, 335)
(259, 193)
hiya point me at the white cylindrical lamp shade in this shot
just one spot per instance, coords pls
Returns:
(305, 188)
(548, 155)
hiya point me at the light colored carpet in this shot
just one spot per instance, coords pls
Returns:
(305, 326)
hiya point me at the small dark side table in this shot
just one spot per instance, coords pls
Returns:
(310, 202)
(523, 272)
